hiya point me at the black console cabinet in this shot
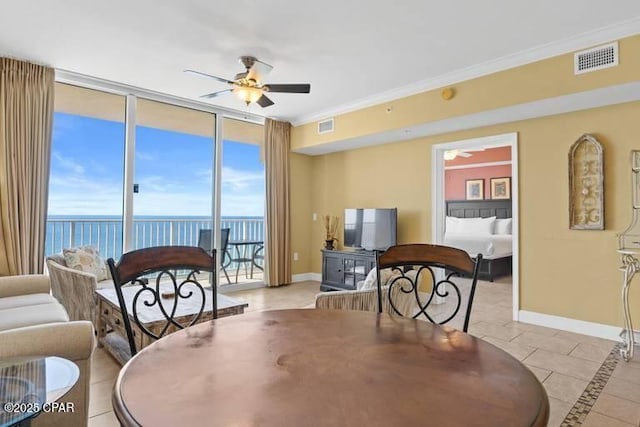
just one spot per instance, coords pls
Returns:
(342, 270)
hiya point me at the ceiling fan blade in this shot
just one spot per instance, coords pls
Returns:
(263, 101)
(259, 70)
(464, 154)
(288, 88)
(256, 69)
(220, 79)
(214, 94)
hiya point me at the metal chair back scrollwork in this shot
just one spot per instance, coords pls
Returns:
(434, 268)
(159, 279)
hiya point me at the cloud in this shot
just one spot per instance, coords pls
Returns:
(205, 176)
(147, 156)
(76, 193)
(236, 179)
(68, 163)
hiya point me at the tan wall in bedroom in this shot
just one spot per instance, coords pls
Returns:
(563, 272)
(539, 80)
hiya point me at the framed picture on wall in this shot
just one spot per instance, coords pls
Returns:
(501, 188)
(475, 189)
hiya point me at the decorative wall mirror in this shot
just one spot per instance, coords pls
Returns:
(586, 184)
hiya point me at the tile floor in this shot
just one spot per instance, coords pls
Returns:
(564, 362)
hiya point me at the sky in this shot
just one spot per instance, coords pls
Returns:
(173, 170)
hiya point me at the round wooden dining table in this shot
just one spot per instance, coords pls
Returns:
(326, 368)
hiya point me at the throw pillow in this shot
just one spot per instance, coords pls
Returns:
(371, 281)
(87, 259)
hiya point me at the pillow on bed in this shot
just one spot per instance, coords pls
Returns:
(470, 225)
(451, 224)
(503, 226)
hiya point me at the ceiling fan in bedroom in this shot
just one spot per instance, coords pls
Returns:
(248, 84)
(452, 154)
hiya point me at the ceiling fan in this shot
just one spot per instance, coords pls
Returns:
(248, 85)
(452, 154)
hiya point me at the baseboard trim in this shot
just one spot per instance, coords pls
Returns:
(306, 276)
(571, 325)
(235, 287)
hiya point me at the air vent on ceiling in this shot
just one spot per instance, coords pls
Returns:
(596, 58)
(325, 126)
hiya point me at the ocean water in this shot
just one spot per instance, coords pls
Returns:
(105, 232)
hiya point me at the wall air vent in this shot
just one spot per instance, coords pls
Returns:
(325, 126)
(596, 58)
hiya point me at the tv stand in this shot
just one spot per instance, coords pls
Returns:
(342, 270)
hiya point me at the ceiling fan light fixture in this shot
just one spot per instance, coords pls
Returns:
(248, 94)
(450, 154)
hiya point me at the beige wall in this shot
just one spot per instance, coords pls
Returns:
(301, 200)
(564, 272)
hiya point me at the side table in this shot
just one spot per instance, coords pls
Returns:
(31, 385)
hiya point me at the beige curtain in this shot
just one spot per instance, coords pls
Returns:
(278, 235)
(26, 116)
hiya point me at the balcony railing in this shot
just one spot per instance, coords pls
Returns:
(106, 233)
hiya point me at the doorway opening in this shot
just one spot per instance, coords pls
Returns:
(483, 192)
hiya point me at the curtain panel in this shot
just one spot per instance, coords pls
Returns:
(26, 117)
(278, 222)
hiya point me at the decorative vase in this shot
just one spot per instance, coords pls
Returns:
(328, 244)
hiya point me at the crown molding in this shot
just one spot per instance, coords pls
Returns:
(595, 98)
(560, 47)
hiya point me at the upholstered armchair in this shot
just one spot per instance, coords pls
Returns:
(412, 278)
(365, 298)
(75, 289)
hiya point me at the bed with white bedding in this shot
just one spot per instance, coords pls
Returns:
(482, 227)
(490, 246)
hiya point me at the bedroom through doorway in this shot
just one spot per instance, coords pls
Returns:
(475, 204)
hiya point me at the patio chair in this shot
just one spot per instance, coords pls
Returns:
(180, 300)
(205, 241)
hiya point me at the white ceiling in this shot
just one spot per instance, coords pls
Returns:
(350, 51)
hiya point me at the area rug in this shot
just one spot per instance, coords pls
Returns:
(582, 407)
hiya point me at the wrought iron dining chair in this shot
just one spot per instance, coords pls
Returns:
(157, 280)
(423, 272)
(205, 241)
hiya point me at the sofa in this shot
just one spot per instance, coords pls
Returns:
(75, 289)
(34, 323)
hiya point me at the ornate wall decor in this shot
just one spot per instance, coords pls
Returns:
(586, 184)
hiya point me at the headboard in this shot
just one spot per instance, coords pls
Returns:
(479, 208)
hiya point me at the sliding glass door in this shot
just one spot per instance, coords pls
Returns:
(173, 175)
(129, 173)
(242, 201)
(86, 178)
(171, 181)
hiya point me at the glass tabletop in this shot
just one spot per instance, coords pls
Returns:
(29, 384)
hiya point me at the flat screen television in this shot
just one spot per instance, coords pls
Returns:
(370, 228)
